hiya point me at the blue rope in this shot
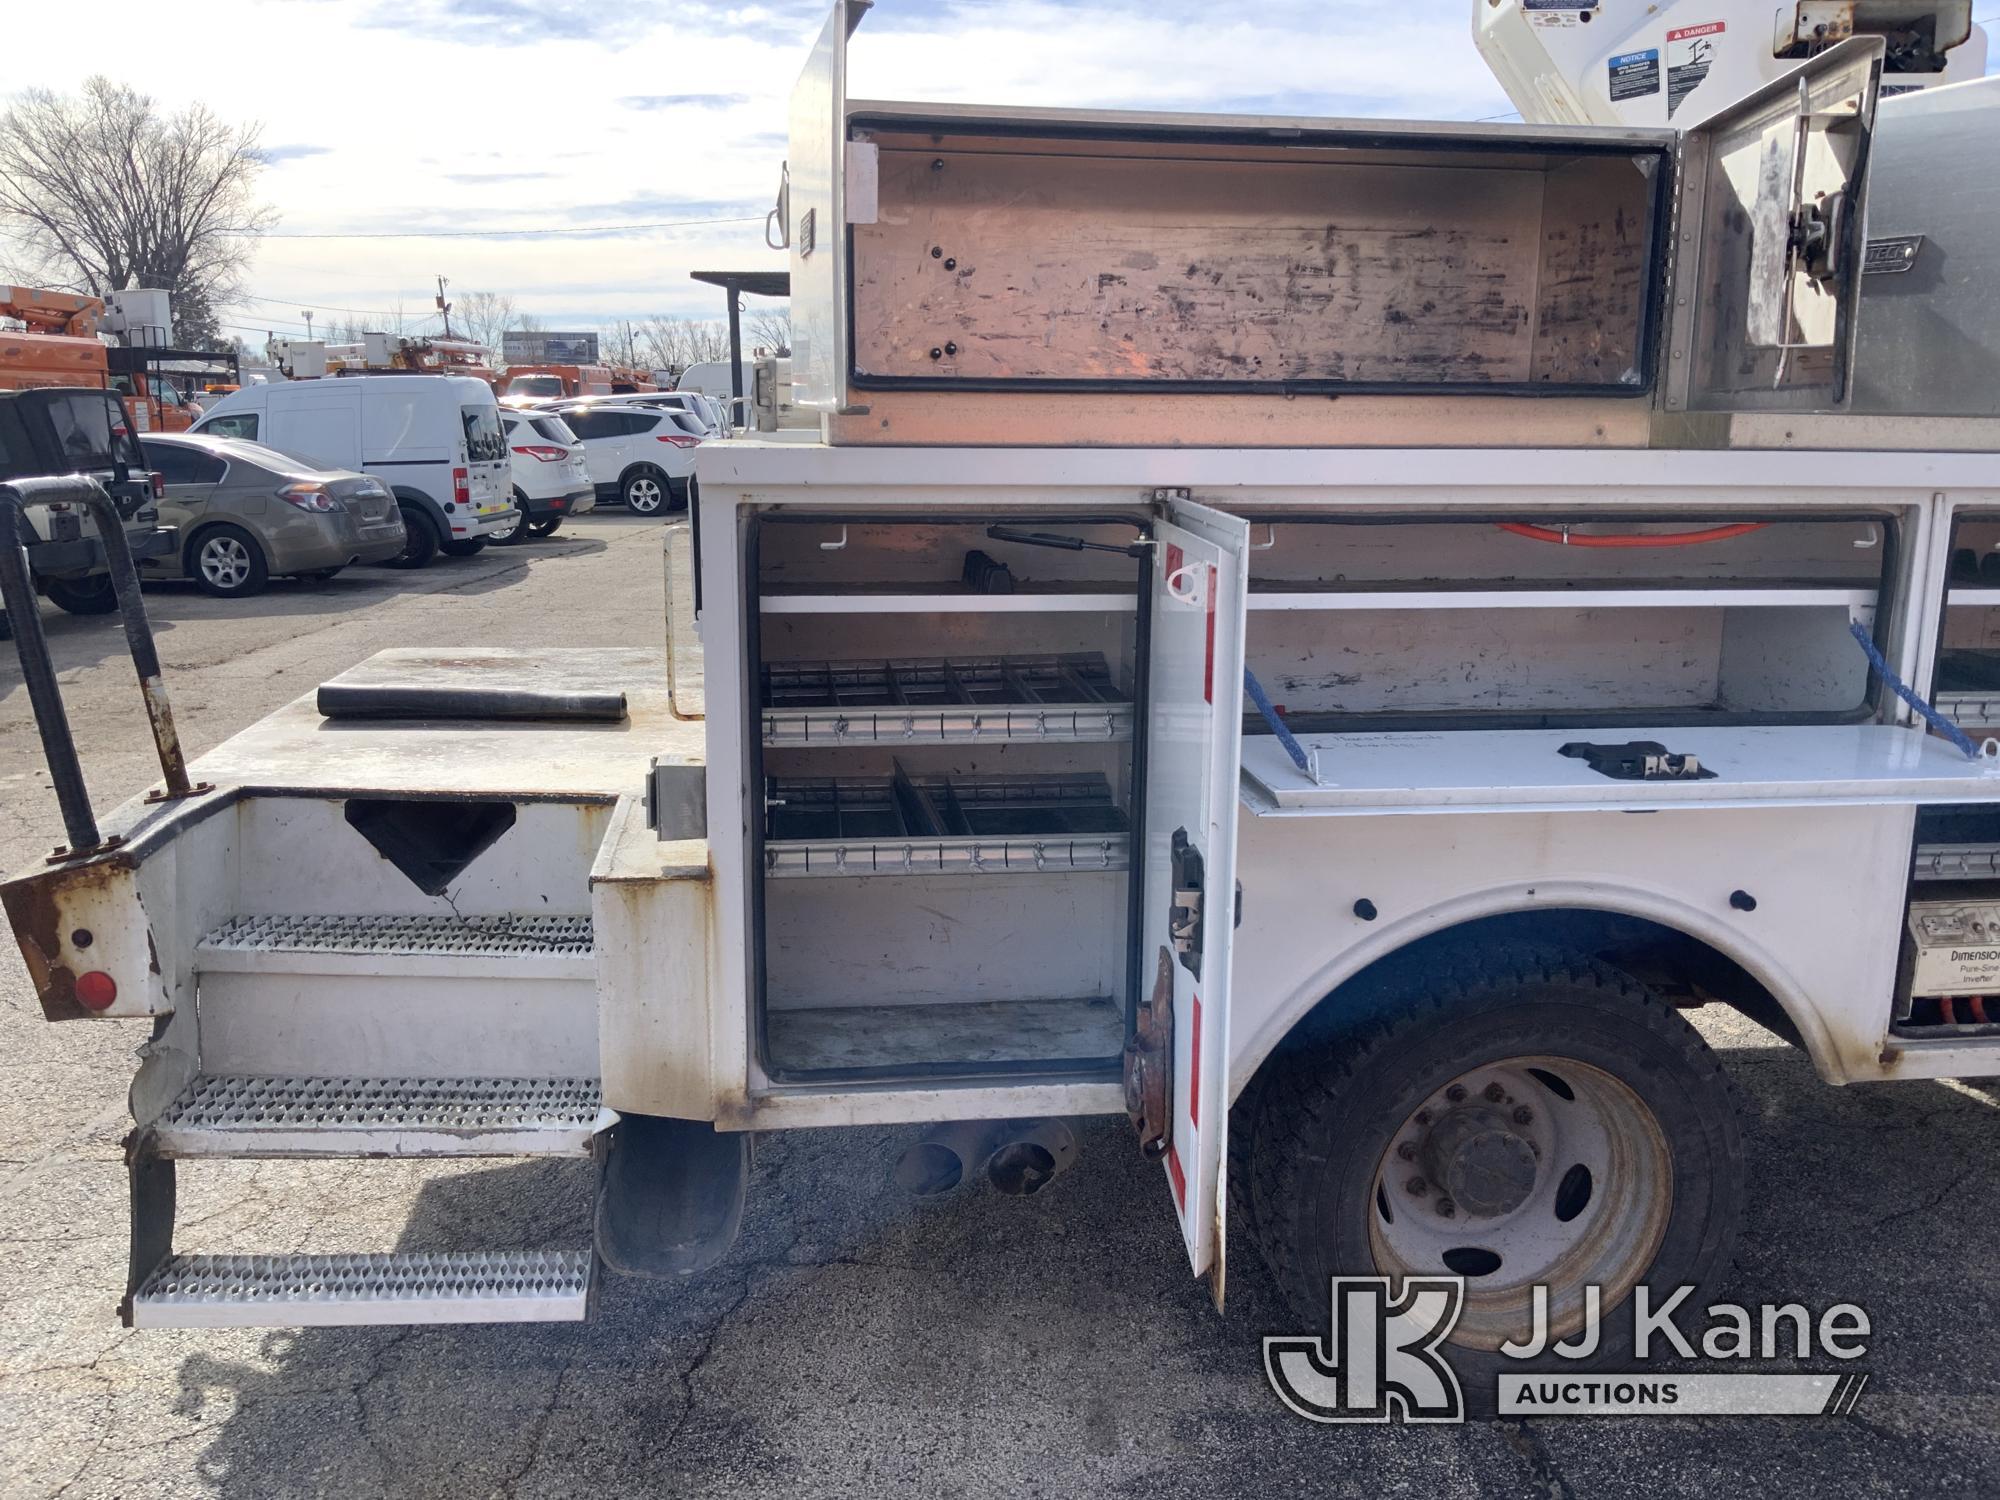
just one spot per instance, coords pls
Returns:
(1265, 707)
(1902, 690)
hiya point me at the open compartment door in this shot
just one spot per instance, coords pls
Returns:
(815, 211)
(1769, 239)
(1177, 1067)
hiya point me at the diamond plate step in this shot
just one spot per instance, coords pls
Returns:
(322, 1291)
(525, 946)
(332, 1117)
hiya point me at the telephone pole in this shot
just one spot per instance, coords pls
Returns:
(444, 306)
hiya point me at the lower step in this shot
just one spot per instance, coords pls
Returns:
(324, 1291)
(332, 1117)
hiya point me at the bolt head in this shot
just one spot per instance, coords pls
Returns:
(1494, 1093)
(1407, 1151)
(1446, 1208)
(1417, 1187)
(1456, 1093)
(1423, 1117)
(1524, 1115)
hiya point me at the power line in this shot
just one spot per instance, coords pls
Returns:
(315, 305)
(487, 234)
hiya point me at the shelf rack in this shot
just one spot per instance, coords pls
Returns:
(945, 701)
(927, 825)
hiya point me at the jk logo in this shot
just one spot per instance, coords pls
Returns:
(1379, 1358)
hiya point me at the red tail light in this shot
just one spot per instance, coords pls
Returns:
(159, 484)
(546, 454)
(678, 439)
(461, 486)
(96, 990)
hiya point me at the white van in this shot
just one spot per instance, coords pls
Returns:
(435, 440)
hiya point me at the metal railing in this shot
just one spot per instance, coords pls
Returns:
(24, 616)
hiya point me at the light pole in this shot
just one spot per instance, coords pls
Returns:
(309, 325)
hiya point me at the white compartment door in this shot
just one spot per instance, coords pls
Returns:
(1194, 721)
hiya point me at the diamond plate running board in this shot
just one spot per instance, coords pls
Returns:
(344, 1117)
(324, 1291)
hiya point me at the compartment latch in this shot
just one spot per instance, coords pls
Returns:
(1184, 914)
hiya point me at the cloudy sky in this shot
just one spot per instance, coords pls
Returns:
(391, 117)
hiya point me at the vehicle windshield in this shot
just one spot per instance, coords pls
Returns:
(535, 385)
(484, 441)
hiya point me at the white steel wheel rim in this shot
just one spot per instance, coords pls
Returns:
(225, 562)
(1598, 1155)
(643, 495)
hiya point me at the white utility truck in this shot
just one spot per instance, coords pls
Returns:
(1402, 615)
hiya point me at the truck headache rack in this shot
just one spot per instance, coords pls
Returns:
(32, 647)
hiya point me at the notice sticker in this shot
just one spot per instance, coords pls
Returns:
(1635, 74)
(1690, 50)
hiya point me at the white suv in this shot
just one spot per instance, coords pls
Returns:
(693, 403)
(551, 475)
(642, 455)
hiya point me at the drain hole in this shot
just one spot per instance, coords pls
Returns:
(1382, 1204)
(1471, 1260)
(1573, 1193)
(1552, 1083)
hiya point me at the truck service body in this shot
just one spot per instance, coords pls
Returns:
(1373, 673)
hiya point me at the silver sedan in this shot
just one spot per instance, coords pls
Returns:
(248, 513)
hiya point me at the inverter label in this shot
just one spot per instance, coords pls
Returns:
(1635, 74)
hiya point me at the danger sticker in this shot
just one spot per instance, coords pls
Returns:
(1690, 51)
(1635, 74)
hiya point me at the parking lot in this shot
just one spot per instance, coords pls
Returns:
(856, 1340)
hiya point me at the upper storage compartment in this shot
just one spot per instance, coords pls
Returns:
(1090, 254)
(970, 274)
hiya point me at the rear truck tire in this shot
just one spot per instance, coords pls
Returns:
(420, 539)
(521, 530)
(546, 526)
(83, 596)
(670, 1195)
(463, 546)
(227, 562)
(644, 492)
(1514, 1116)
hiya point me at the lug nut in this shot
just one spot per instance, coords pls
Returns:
(1456, 1093)
(1423, 1117)
(1418, 1187)
(1524, 1115)
(1408, 1151)
(1494, 1093)
(1446, 1208)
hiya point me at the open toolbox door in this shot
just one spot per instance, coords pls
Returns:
(1768, 241)
(1194, 730)
(815, 209)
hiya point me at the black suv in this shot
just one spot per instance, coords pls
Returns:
(92, 428)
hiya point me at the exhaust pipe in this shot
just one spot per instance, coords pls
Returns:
(1017, 1157)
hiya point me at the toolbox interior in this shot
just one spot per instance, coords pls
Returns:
(946, 750)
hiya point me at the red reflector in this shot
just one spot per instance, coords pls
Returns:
(96, 990)
(159, 485)
(558, 504)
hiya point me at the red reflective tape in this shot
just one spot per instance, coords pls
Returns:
(1178, 1178)
(1175, 557)
(1208, 664)
(1194, 1069)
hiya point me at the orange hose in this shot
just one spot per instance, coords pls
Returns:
(1672, 539)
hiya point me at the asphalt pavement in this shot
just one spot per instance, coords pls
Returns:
(857, 1340)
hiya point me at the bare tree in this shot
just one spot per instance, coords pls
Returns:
(675, 343)
(485, 317)
(103, 192)
(620, 342)
(770, 330)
